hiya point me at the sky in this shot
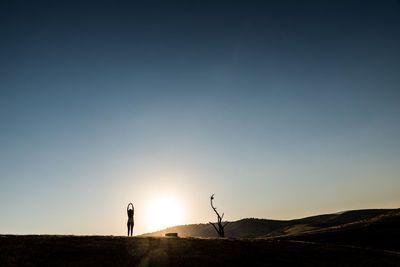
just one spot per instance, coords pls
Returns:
(282, 109)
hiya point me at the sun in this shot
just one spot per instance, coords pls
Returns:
(164, 212)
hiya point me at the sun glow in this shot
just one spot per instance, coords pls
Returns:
(164, 212)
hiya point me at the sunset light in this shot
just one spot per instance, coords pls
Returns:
(164, 212)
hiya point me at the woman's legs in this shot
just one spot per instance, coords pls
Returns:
(131, 225)
(130, 228)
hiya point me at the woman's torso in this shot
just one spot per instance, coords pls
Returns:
(130, 216)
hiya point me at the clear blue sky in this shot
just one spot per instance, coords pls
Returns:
(282, 109)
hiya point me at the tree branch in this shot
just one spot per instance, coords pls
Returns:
(220, 229)
(212, 206)
(214, 227)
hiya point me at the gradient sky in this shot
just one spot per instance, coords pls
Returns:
(283, 109)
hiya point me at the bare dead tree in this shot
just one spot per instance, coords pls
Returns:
(220, 227)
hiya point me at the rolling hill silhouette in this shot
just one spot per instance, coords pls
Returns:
(351, 238)
(379, 232)
(264, 228)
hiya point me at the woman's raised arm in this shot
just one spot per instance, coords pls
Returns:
(127, 208)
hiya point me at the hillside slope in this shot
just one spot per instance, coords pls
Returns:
(380, 232)
(252, 228)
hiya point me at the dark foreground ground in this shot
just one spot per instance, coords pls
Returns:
(160, 251)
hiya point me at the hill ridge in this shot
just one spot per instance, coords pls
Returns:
(260, 227)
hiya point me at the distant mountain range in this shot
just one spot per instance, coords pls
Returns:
(264, 228)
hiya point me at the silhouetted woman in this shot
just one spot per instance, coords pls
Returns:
(130, 219)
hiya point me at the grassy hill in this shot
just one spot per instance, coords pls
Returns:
(252, 228)
(380, 232)
(352, 238)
